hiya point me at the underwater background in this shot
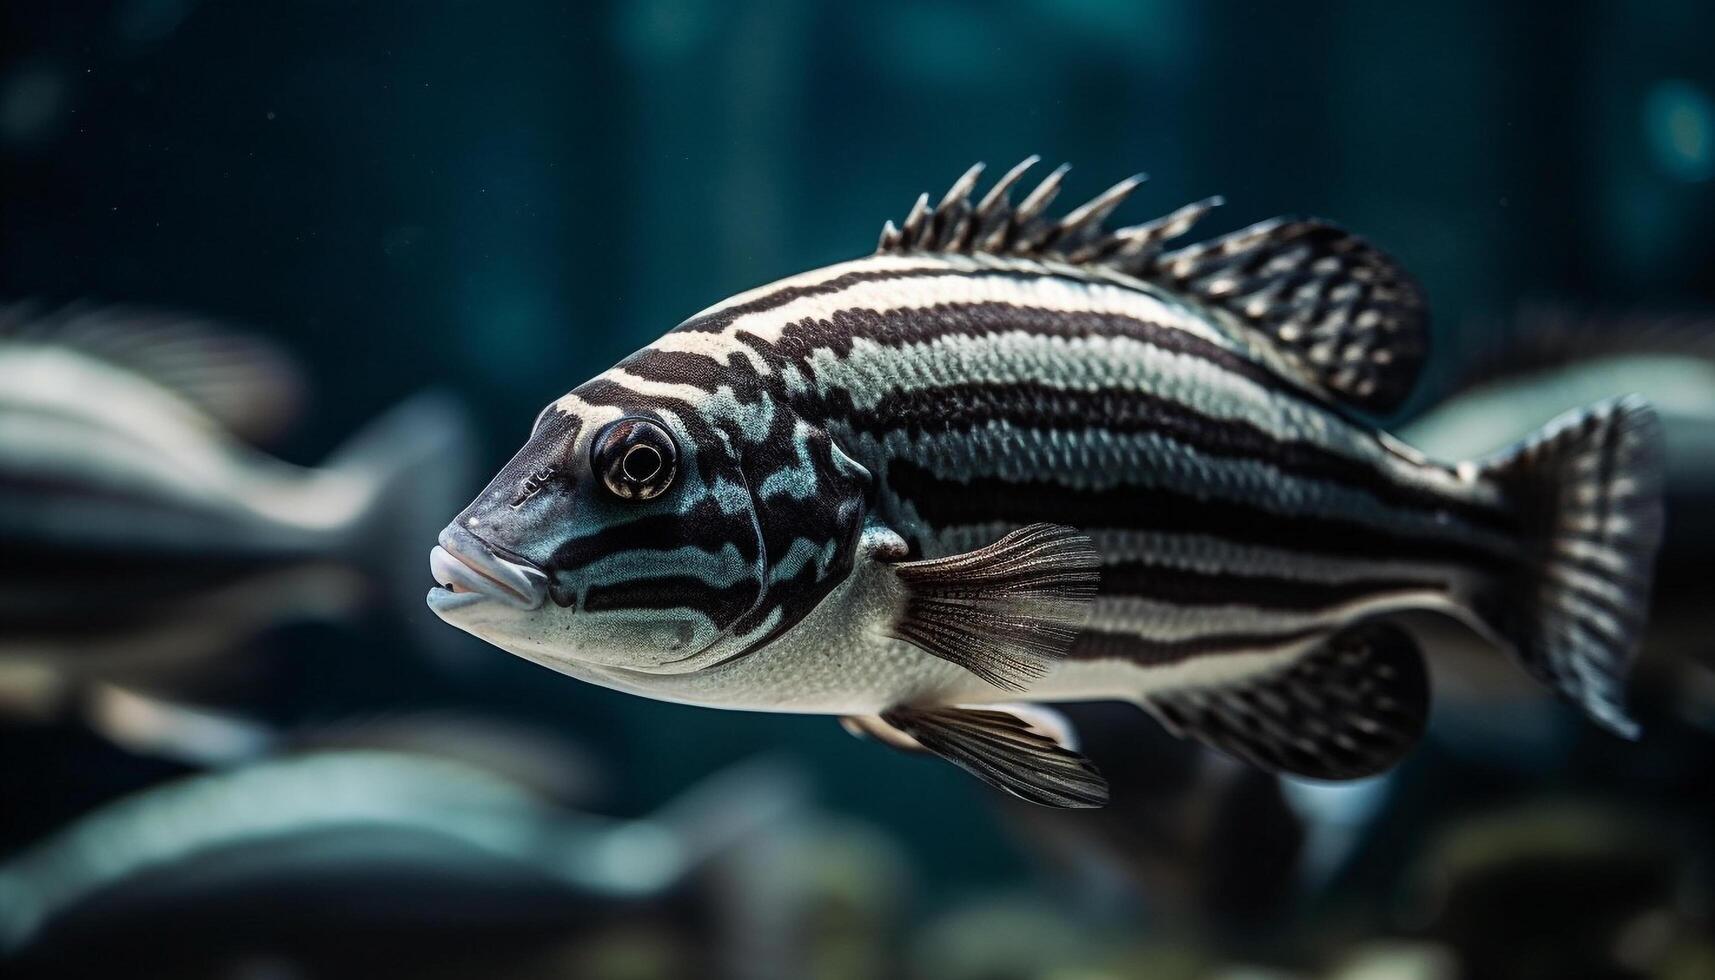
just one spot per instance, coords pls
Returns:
(499, 200)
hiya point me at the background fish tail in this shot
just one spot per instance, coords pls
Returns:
(417, 460)
(1589, 487)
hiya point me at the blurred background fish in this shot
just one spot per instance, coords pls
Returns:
(143, 531)
(428, 855)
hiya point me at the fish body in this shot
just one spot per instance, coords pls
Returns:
(141, 526)
(1012, 460)
(346, 834)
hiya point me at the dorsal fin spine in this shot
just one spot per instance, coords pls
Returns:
(1038, 200)
(1311, 299)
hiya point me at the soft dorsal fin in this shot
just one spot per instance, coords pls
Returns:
(246, 384)
(1339, 313)
(1347, 709)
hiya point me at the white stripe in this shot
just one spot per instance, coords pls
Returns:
(1120, 364)
(1099, 460)
(1072, 294)
(815, 277)
(1211, 556)
(1118, 678)
(1168, 622)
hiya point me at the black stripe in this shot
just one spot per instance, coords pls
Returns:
(72, 590)
(1103, 645)
(704, 526)
(688, 368)
(919, 325)
(945, 503)
(963, 407)
(723, 606)
(1188, 587)
(795, 597)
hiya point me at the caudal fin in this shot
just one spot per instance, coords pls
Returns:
(417, 461)
(1589, 486)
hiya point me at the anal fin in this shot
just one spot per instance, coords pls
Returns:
(1026, 756)
(1005, 611)
(1348, 709)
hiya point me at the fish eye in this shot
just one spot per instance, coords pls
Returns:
(635, 458)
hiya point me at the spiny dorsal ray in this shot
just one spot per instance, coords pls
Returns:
(1342, 313)
(994, 225)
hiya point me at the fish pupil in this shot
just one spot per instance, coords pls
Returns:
(641, 463)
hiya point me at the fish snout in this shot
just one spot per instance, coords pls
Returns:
(463, 563)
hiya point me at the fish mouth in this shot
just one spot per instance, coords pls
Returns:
(467, 570)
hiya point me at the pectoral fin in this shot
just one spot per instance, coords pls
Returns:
(1029, 757)
(1349, 709)
(1006, 611)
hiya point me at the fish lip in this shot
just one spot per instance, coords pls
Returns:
(463, 559)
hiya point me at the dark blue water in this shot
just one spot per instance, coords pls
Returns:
(502, 199)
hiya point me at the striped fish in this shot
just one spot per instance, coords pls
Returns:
(1009, 459)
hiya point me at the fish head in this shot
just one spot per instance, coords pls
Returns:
(647, 538)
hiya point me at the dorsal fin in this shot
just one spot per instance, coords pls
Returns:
(242, 382)
(1337, 311)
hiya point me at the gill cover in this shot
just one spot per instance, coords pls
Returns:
(668, 544)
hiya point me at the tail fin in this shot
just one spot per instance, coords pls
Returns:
(417, 459)
(1590, 488)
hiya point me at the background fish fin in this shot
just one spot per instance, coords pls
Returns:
(1326, 306)
(1589, 484)
(416, 463)
(1006, 611)
(1350, 708)
(1541, 336)
(751, 800)
(1006, 751)
(194, 735)
(246, 384)
(1341, 312)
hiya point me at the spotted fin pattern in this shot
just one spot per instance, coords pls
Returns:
(1347, 710)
